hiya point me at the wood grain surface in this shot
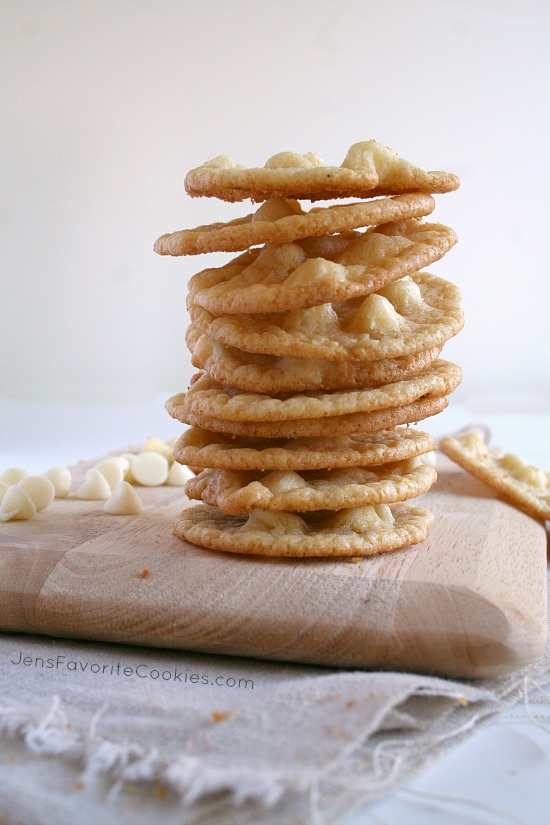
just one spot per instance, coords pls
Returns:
(470, 601)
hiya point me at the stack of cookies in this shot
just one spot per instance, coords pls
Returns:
(316, 347)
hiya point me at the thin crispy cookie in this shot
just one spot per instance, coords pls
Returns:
(364, 531)
(285, 221)
(362, 422)
(204, 448)
(340, 489)
(286, 276)
(270, 374)
(368, 169)
(523, 484)
(410, 315)
(209, 398)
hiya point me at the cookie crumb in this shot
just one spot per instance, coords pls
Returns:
(218, 716)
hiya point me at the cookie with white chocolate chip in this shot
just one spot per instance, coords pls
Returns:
(205, 448)
(237, 492)
(338, 425)
(207, 397)
(283, 221)
(369, 169)
(410, 315)
(279, 277)
(272, 374)
(361, 531)
(521, 483)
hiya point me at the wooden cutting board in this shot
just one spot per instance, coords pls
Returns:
(470, 601)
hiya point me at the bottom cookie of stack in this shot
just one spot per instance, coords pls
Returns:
(361, 531)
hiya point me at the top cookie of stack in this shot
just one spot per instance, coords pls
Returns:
(313, 350)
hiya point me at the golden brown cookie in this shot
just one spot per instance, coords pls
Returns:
(362, 531)
(204, 448)
(206, 397)
(411, 315)
(368, 169)
(270, 374)
(237, 492)
(361, 422)
(280, 277)
(281, 221)
(521, 483)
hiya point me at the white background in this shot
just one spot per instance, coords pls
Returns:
(106, 104)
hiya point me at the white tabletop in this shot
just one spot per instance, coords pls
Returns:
(500, 774)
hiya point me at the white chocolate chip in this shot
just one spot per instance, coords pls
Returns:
(129, 459)
(13, 475)
(429, 458)
(314, 159)
(292, 160)
(155, 445)
(3, 489)
(16, 504)
(61, 479)
(534, 476)
(275, 208)
(313, 319)
(361, 519)
(150, 469)
(178, 475)
(124, 502)
(121, 460)
(371, 249)
(376, 314)
(113, 470)
(94, 488)
(221, 162)
(40, 489)
(512, 462)
(404, 294)
(384, 512)
(523, 471)
(202, 351)
(279, 481)
(370, 156)
(277, 523)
